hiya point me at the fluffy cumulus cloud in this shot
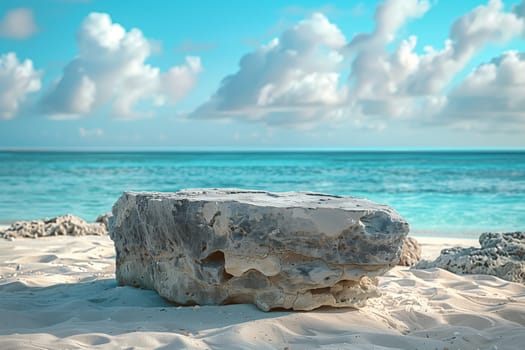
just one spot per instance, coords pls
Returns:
(376, 74)
(298, 77)
(17, 79)
(110, 69)
(468, 35)
(406, 84)
(292, 78)
(18, 23)
(493, 94)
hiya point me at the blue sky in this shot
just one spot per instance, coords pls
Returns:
(110, 74)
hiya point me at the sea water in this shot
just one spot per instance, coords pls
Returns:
(453, 193)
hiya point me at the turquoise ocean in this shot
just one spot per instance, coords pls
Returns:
(448, 193)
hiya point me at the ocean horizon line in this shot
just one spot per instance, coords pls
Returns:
(256, 149)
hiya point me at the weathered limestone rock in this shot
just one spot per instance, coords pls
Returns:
(501, 255)
(277, 250)
(411, 252)
(69, 225)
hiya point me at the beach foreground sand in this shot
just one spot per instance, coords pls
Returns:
(60, 293)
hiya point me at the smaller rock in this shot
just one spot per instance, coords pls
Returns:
(66, 225)
(104, 219)
(411, 253)
(501, 255)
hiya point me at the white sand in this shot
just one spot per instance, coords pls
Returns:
(60, 293)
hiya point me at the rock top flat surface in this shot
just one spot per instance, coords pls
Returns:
(291, 250)
(500, 254)
(265, 198)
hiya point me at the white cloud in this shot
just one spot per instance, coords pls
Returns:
(293, 79)
(18, 24)
(110, 69)
(376, 74)
(17, 79)
(492, 95)
(389, 17)
(406, 84)
(469, 34)
(405, 72)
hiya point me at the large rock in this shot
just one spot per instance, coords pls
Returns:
(69, 225)
(277, 250)
(501, 255)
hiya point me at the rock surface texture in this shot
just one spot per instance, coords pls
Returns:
(501, 255)
(411, 252)
(277, 250)
(69, 225)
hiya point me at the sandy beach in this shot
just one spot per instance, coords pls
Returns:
(60, 293)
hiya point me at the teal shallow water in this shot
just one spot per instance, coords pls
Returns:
(447, 193)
